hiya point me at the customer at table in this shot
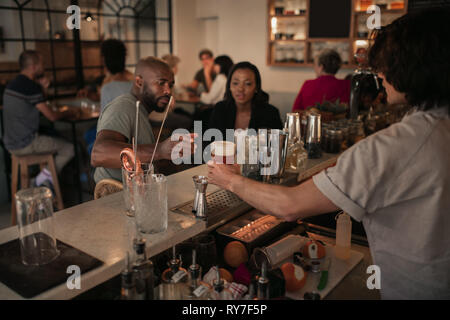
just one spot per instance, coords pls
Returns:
(204, 76)
(222, 66)
(116, 126)
(118, 80)
(245, 105)
(396, 181)
(326, 87)
(23, 100)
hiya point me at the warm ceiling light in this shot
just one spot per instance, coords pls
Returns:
(89, 17)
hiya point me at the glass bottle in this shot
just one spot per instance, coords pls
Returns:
(174, 280)
(263, 283)
(128, 287)
(144, 272)
(197, 289)
(296, 154)
(343, 236)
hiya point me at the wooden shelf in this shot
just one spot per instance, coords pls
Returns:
(288, 41)
(282, 16)
(309, 42)
(393, 11)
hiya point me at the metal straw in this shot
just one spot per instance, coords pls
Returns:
(160, 129)
(136, 135)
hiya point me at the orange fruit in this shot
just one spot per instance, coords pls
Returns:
(294, 276)
(235, 254)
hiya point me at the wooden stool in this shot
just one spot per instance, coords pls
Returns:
(106, 187)
(43, 160)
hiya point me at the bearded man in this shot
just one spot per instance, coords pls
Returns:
(153, 84)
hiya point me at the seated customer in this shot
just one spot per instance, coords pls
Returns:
(23, 99)
(116, 126)
(204, 77)
(222, 66)
(326, 87)
(118, 80)
(245, 105)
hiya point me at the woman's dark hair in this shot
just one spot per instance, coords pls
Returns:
(330, 60)
(413, 54)
(260, 96)
(114, 53)
(225, 64)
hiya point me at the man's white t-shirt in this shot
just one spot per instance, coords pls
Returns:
(397, 182)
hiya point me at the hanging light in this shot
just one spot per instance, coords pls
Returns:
(89, 17)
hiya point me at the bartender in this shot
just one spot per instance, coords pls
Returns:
(397, 181)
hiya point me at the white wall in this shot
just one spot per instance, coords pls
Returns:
(241, 34)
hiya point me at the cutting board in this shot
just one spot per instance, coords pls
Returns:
(338, 270)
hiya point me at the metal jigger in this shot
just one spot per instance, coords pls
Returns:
(199, 208)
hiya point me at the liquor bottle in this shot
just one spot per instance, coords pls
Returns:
(343, 236)
(128, 290)
(174, 279)
(197, 289)
(263, 283)
(144, 272)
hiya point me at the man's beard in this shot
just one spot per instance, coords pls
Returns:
(149, 99)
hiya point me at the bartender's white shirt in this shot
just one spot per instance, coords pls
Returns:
(397, 182)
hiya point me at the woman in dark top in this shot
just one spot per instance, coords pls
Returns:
(246, 105)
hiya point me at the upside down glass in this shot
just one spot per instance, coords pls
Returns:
(150, 202)
(35, 221)
(127, 177)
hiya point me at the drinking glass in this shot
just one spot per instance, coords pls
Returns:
(127, 177)
(150, 201)
(35, 220)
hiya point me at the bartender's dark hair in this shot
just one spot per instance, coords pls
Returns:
(413, 53)
(114, 53)
(260, 96)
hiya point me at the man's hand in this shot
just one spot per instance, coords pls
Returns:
(187, 143)
(44, 82)
(222, 174)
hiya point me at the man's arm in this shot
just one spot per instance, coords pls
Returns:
(54, 115)
(289, 203)
(109, 144)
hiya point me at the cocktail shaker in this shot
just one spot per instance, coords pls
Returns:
(292, 125)
(278, 145)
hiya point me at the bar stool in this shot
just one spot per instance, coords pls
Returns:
(22, 163)
(106, 187)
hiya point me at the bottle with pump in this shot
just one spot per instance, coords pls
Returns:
(174, 279)
(144, 272)
(343, 236)
(128, 290)
(219, 291)
(263, 283)
(197, 289)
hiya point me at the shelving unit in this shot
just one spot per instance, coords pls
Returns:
(289, 44)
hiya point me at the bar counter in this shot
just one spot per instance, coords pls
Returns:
(101, 229)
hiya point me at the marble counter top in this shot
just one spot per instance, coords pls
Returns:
(102, 229)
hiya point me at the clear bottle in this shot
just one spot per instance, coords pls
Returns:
(343, 236)
(144, 272)
(174, 280)
(197, 289)
(128, 289)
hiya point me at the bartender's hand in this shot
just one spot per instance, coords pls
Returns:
(222, 174)
(184, 143)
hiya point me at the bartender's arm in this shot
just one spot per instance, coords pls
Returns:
(289, 203)
(109, 144)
